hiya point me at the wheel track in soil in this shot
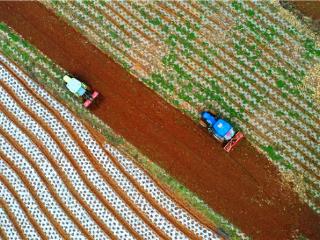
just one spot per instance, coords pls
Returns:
(236, 193)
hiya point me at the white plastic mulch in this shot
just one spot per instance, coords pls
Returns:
(55, 179)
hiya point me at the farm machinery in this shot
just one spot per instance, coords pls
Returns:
(221, 130)
(80, 89)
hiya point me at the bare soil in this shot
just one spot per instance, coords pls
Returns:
(243, 186)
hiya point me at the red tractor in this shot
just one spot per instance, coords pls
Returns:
(221, 130)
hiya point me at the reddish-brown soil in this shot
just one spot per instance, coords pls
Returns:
(308, 8)
(243, 185)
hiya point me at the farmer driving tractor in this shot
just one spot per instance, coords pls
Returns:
(80, 89)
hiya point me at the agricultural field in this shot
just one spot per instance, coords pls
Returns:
(58, 182)
(241, 59)
(136, 164)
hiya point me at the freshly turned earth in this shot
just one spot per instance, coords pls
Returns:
(243, 185)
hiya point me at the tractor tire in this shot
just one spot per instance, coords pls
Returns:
(203, 123)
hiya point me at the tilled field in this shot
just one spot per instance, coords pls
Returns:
(241, 59)
(58, 182)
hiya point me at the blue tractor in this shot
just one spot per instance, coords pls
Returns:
(220, 129)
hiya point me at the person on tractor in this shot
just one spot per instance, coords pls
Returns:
(78, 88)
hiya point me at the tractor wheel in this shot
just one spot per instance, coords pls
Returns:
(203, 123)
(218, 138)
(213, 113)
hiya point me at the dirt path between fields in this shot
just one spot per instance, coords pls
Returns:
(243, 185)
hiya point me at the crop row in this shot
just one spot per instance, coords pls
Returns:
(52, 174)
(21, 218)
(298, 126)
(7, 224)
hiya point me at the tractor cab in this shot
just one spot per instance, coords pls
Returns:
(220, 129)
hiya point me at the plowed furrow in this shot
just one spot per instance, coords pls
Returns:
(229, 194)
(154, 204)
(82, 176)
(268, 105)
(65, 179)
(3, 234)
(35, 195)
(89, 154)
(18, 212)
(142, 34)
(158, 192)
(97, 37)
(263, 80)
